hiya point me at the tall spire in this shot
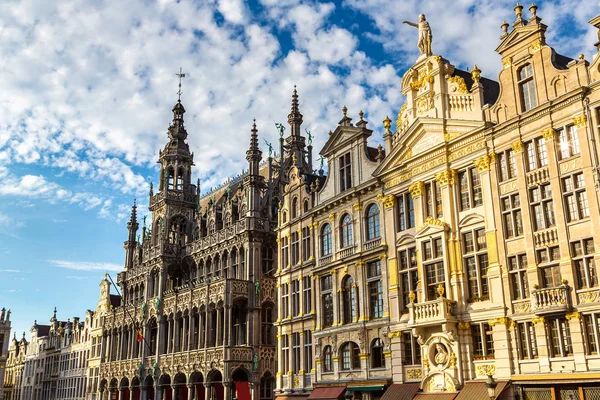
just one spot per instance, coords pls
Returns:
(254, 137)
(132, 225)
(253, 155)
(295, 118)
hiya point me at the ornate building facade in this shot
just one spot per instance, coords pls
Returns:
(461, 253)
(15, 364)
(5, 327)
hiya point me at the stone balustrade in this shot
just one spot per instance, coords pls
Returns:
(537, 176)
(545, 238)
(431, 312)
(549, 300)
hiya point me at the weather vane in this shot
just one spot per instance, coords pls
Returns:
(180, 75)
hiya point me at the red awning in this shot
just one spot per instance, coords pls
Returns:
(478, 390)
(242, 391)
(435, 396)
(400, 391)
(327, 393)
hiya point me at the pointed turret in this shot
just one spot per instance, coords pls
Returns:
(295, 141)
(295, 118)
(254, 182)
(130, 244)
(253, 155)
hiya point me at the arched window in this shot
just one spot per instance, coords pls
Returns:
(267, 385)
(326, 247)
(306, 205)
(327, 359)
(349, 300)
(294, 211)
(159, 228)
(225, 264)
(527, 88)
(377, 356)
(177, 231)
(350, 356)
(179, 183)
(170, 178)
(216, 266)
(234, 264)
(373, 222)
(201, 270)
(283, 217)
(267, 325)
(346, 231)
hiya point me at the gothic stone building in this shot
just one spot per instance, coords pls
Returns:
(195, 320)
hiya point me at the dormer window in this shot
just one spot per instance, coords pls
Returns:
(527, 88)
(345, 172)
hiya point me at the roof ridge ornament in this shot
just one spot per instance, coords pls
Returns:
(180, 75)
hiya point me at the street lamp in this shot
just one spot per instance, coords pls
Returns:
(490, 384)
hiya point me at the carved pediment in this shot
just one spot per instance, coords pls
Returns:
(471, 219)
(431, 227)
(405, 240)
(522, 36)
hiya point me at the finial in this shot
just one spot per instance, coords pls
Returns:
(180, 75)
(345, 111)
(361, 114)
(330, 133)
(518, 10)
(504, 27)
(533, 10)
(387, 124)
(476, 75)
(581, 57)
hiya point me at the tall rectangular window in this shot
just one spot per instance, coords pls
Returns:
(470, 189)
(295, 248)
(559, 335)
(307, 294)
(527, 88)
(476, 263)
(345, 172)
(511, 216)
(408, 274)
(575, 197)
(569, 142)
(537, 155)
(295, 352)
(542, 207)
(285, 298)
(548, 260)
(517, 268)
(433, 200)
(285, 255)
(411, 350)
(327, 300)
(507, 164)
(375, 289)
(582, 254)
(592, 333)
(308, 363)
(306, 243)
(483, 342)
(295, 297)
(406, 212)
(434, 266)
(285, 353)
(527, 341)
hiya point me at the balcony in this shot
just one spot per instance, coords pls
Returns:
(550, 300)
(325, 260)
(347, 252)
(546, 237)
(538, 176)
(372, 244)
(431, 313)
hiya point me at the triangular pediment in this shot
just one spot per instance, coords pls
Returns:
(431, 227)
(523, 35)
(341, 136)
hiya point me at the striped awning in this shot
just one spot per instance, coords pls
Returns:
(478, 390)
(435, 396)
(398, 391)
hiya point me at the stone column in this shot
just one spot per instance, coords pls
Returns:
(542, 343)
(502, 354)
(337, 315)
(190, 392)
(185, 344)
(577, 341)
(218, 336)
(228, 392)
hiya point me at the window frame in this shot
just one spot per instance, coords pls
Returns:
(483, 342)
(588, 265)
(326, 240)
(573, 187)
(478, 287)
(568, 142)
(375, 287)
(327, 316)
(346, 231)
(410, 344)
(517, 272)
(409, 275)
(469, 188)
(307, 294)
(551, 261)
(436, 261)
(559, 337)
(345, 169)
(527, 341)
(512, 216)
(527, 88)
(373, 227)
(377, 354)
(406, 212)
(542, 207)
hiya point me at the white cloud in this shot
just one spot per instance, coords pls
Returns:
(86, 266)
(12, 271)
(9, 222)
(233, 10)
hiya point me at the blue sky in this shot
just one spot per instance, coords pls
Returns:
(86, 89)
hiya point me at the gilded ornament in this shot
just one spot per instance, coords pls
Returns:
(580, 120)
(482, 163)
(460, 83)
(416, 189)
(499, 321)
(389, 201)
(573, 315)
(538, 320)
(358, 205)
(387, 124)
(394, 334)
(425, 102)
(536, 46)
(440, 290)
(332, 217)
(446, 177)
(452, 360)
(412, 296)
(517, 146)
(425, 77)
(400, 123)
(476, 75)
(486, 369)
(414, 373)
(433, 221)
(463, 326)
(507, 62)
(548, 134)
